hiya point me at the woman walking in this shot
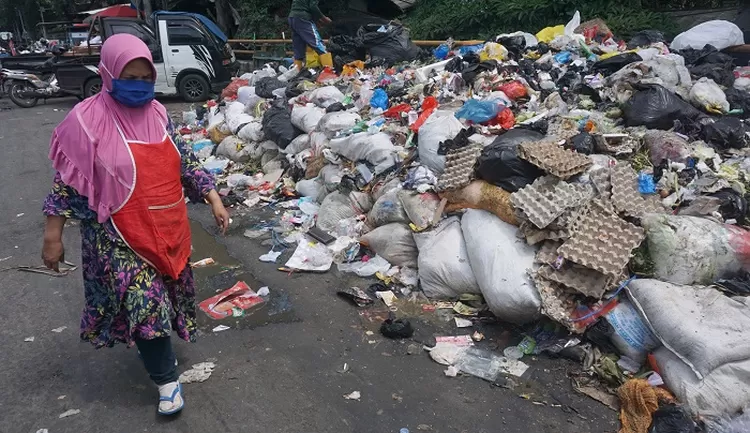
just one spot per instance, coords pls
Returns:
(124, 177)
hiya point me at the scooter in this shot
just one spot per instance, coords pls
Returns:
(25, 88)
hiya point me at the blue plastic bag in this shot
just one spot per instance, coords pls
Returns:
(379, 99)
(466, 49)
(646, 183)
(441, 52)
(479, 111)
(563, 57)
(198, 145)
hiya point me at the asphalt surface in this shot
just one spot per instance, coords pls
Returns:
(285, 376)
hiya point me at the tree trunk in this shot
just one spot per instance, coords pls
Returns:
(148, 9)
(223, 15)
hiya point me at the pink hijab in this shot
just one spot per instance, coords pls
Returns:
(86, 148)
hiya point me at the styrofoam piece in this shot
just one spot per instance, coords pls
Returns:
(554, 159)
(584, 280)
(459, 168)
(602, 241)
(423, 74)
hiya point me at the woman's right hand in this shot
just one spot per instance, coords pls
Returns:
(53, 253)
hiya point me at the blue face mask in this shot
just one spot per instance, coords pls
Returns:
(132, 93)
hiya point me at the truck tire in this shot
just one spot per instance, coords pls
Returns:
(14, 96)
(194, 88)
(92, 87)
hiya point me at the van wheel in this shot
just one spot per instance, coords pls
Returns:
(92, 87)
(194, 88)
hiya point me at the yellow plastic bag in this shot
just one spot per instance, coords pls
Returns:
(615, 53)
(548, 34)
(312, 60)
(493, 51)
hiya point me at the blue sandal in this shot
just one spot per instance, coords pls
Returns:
(177, 392)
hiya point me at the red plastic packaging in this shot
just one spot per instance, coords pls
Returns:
(506, 119)
(429, 105)
(395, 111)
(231, 90)
(514, 90)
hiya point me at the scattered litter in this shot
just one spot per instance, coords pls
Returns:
(355, 395)
(388, 297)
(396, 328)
(60, 329)
(20, 215)
(70, 412)
(220, 328)
(232, 302)
(356, 295)
(270, 257)
(203, 263)
(463, 323)
(263, 291)
(198, 373)
(29, 339)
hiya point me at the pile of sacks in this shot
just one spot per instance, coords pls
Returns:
(565, 174)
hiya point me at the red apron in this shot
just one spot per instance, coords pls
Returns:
(153, 221)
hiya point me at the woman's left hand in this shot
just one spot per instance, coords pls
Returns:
(219, 211)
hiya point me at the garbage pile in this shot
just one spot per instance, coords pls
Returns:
(566, 174)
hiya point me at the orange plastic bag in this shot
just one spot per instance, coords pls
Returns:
(231, 90)
(429, 105)
(351, 68)
(514, 90)
(505, 119)
(326, 74)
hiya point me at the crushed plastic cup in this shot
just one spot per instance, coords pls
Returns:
(513, 352)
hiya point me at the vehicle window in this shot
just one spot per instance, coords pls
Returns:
(139, 31)
(184, 34)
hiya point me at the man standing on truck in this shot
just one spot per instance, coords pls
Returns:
(305, 34)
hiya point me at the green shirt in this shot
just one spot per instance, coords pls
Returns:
(306, 9)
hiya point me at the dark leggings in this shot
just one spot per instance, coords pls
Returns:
(158, 358)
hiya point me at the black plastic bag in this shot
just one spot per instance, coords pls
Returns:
(739, 100)
(733, 204)
(645, 38)
(266, 85)
(671, 419)
(293, 88)
(725, 133)
(515, 45)
(658, 108)
(460, 141)
(336, 106)
(615, 63)
(456, 64)
(582, 143)
(393, 44)
(737, 286)
(277, 126)
(395, 329)
(721, 73)
(469, 74)
(500, 165)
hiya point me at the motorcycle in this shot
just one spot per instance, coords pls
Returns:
(25, 88)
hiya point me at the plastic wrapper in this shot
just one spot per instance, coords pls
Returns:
(394, 242)
(493, 251)
(444, 269)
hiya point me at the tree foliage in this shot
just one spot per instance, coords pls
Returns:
(462, 19)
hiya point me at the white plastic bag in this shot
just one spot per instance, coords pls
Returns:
(706, 94)
(719, 33)
(692, 250)
(332, 123)
(335, 207)
(394, 242)
(373, 148)
(297, 145)
(252, 131)
(309, 188)
(235, 149)
(236, 116)
(387, 209)
(326, 96)
(440, 126)
(419, 208)
(368, 268)
(444, 269)
(244, 94)
(306, 117)
(500, 262)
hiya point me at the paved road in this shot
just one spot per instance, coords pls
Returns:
(282, 377)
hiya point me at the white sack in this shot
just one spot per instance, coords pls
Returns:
(500, 262)
(306, 117)
(332, 123)
(326, 96)
(719, 33)
(394, 242)
(444, 269)
(373, 148)
(440, 126)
